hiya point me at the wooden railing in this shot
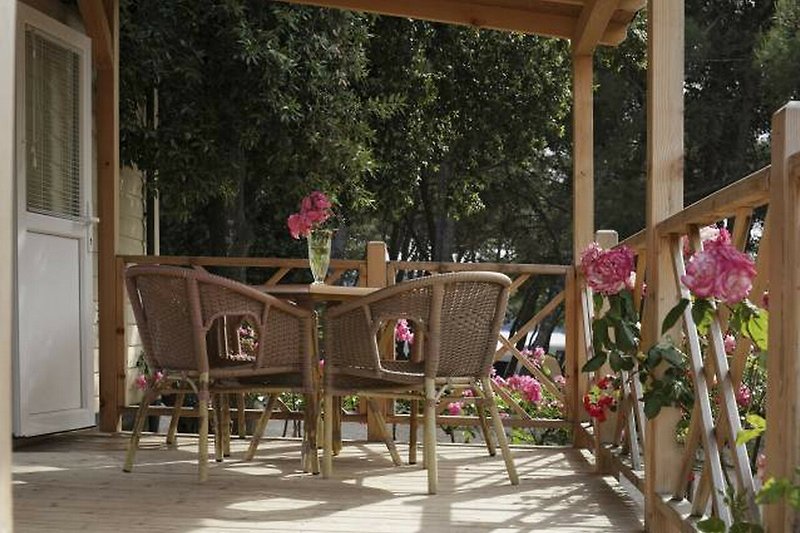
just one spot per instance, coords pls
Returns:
(713, 465)
(377, 271)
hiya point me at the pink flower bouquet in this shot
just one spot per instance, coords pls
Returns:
(315, 210)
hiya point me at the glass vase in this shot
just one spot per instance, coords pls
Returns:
(319, 254)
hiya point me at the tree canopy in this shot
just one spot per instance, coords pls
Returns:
(446, 142)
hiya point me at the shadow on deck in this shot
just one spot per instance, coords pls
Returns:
(74, 482)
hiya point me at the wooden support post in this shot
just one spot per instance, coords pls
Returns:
(377, 258)
(112, 342)
(665, 153)
(8, 47)
(783, 385)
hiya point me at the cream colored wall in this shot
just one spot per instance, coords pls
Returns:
(8, 22)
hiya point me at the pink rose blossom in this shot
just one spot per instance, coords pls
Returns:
(707, 233)
(607, 271)
(158, 376)
(560, 381)
(467, 393)
(402, 332)
(528, 386)
(454, 408)
(720, 271)
(141, 382)
(730, 344)
(315, 209)
(743, 395)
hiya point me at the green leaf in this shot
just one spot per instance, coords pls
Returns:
(652, 405)
(772, 491)
(703, 314)
(600, 333)
(673, 356)
(711, 525)
(594, 363)
(673, 315)
(757, 329)
(625, 336)
(757, 427)
(615, 360)
(598, 300)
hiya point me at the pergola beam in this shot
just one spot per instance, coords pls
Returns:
(478, 15)
(592, 24)
(96, 21)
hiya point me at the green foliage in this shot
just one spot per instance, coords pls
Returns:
(757, 428)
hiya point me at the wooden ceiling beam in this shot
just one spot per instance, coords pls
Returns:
(477, 14)
(593, 25)
(462, 13)
(95, 19)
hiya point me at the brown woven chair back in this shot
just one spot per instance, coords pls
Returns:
(456, 317)
(176, 308)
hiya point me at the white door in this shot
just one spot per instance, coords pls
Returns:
(54, 364)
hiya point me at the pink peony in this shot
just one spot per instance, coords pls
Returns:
(607, 271)
(720, 271)
(299, 225)
(454, 408)
(402, 332)
(315, 209)
(730, 344)
(707, 233)
(701, 275)
(528, 386)
(743, 395)
(141, 382)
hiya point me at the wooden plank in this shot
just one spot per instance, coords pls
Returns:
(507, 268)
(749, 192)
(665, 157)
(530, 324)
(571, 368)
(277, 276)
(8, 47)
(592, 24)
(95, 21)
(583, 154)
(534, 370)
(523, 18)
(783, 367)
(518, 282)
(60, 483)
(637, 242)
(106, 110)
(256, 262)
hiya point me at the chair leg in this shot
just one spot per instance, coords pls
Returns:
(500, 431)
(327, 453)
(480, 404)
(202, 441)
(337, 425)
(176, 416)
(387, 439)
(241, 421)
(430, 434)
(216, 423)
(225, 422)
(138, 427)
(413, 424)
(310, 456)
(261, 426)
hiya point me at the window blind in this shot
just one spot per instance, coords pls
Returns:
(52, 127)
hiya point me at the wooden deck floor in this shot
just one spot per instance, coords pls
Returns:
(75, 483)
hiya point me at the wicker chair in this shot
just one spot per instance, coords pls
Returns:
(456, 317)
(180, 310)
